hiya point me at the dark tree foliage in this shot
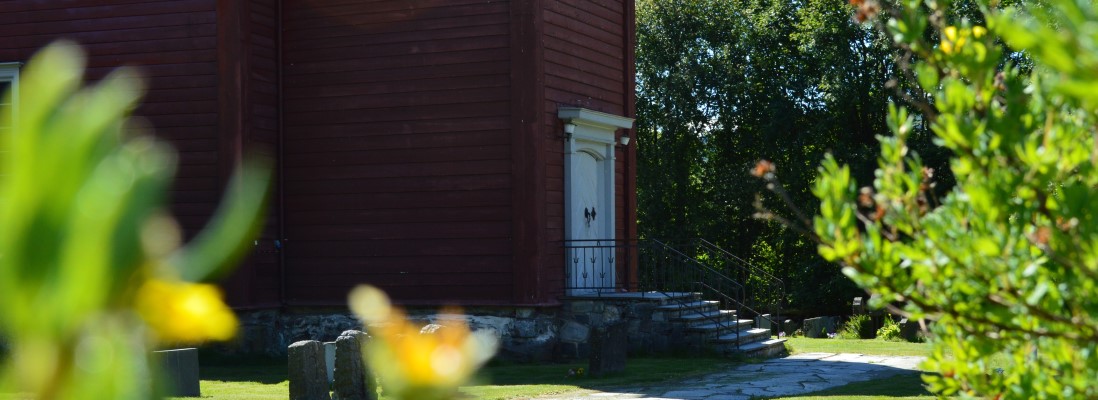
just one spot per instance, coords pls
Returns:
(722, 84)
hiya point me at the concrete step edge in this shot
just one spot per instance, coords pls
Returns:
(707, 315)
(687, 306)
(749, 336)
(758, 346)
(737, 325)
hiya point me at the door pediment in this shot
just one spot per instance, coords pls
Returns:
(593, 126)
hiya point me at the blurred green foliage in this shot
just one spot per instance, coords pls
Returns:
(1007, 260)
(84, 232)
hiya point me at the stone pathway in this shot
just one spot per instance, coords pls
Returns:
(793, 375)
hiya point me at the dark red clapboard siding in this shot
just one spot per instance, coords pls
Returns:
(582, 27)
(419, 231)
(421, 99)
(404, 185)
(493, 41)
(572, 49)
(579, 40)
(416, 264)
(404, 170)
(30, 5)
(172, 43)
(439, 108)
(582, 12)
(569, 99)
(435, 125)
(496, 27)
(399, 247)
(262, 268)
(563, 90)
(425, 199)
(395, 123)
(339, 88)
(122, 35)
(312, 278)
(383, 24)
(390, 156)
(554, 71)
(399, 141)
(410, 75)
(394, 61)
(344, 7)
(72, 28)
(397, 215)
(404, 295)
(557, 59)
(104, 11)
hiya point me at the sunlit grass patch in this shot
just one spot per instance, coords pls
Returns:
(859, 346)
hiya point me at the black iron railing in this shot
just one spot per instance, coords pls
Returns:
(673, 270)
(600, 266)
(765, 293)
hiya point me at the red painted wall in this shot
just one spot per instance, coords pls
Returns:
(420, 146)
(173, 42)
(397, 150)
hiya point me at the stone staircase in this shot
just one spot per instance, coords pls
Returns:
(706, 326)
(694, 294)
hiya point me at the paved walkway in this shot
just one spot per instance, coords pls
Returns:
(799, 374)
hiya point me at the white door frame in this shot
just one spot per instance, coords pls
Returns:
(593, 133)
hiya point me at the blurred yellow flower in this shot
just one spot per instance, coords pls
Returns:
(185, 312)
(415, 365)
(952, 39)
(978, 31)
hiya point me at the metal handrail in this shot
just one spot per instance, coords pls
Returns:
(665, 270)
(754, 269)
(775, 284)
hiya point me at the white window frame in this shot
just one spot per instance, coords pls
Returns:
(9, 72)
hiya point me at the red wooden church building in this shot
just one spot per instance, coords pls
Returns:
(441, 149)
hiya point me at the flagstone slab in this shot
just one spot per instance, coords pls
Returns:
(798, 374)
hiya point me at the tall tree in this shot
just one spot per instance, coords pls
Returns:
(722, 84)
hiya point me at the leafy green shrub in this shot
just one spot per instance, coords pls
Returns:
(1004, 263)
(857, 327)
(890, 331)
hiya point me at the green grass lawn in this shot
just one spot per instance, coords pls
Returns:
(860, 346)
(265, 378)
(261, 379)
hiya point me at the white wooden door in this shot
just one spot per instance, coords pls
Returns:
(592, 256)
(585, 210)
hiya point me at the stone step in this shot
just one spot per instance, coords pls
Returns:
(674, 298)
(675, 311)
(745, 336)
(727, 326)
(688, 305)
(704, 317)
(763, 349)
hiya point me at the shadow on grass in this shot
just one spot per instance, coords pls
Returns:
(260, 369)
(640, 370)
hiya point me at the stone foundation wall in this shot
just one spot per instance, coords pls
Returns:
(649, 330)
(525, 334)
